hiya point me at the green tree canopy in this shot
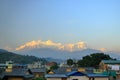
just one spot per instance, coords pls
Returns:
(55, 66)
(39, 78)
(70, 62)
(93, 60)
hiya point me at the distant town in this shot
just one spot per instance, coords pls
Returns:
(96, 66)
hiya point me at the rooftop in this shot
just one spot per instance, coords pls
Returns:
(96, 75)
(111, 61)
(38, 70)
(55, 76)
(18, 72)
(75, 73)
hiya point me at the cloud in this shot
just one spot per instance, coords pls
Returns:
(51, 44)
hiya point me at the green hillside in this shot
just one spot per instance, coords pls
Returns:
(24, 59)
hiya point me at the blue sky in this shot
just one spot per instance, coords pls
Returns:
(96, 22)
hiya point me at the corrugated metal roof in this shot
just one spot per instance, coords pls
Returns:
(3, 65)
(38, 70)
(18, 72)
(111, 61)
(55, 76)
(75, 73)
(96, 75)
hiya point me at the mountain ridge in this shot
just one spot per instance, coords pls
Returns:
(64, 54)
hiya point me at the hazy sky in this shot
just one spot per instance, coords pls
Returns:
(96, 22)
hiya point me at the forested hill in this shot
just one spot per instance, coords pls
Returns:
(6, 56)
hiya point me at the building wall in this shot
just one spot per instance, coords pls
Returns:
(118, 76)
(81, 69)
(39, 74)
(54, 78)
(78, 77)
(103, 66)
(101, 79)
(64, 79)
(15, 79)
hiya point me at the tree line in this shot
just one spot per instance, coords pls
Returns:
(91, 60)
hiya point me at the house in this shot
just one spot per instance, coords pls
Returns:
(65, 74)
(110, 65)
(93, 76)
(49, 64)
(37, 64)
(17, 74)
(76, 75)
(38, 72)
(62, 70)
(3, 66)
(17, 66)
(56, 77)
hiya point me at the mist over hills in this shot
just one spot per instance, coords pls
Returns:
(63, 54)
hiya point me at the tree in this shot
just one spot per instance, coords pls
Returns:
(39, 78)
(70, 62)
(55, 66)
(93, 60)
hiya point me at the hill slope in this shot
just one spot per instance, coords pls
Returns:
(6, 56)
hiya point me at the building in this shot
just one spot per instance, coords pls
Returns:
(56, 77)
(3, 66)
(35, 65)
(18, 66)
(93, 76)
(49, 64)
(76, 75)
(112, 67)
(71, 73)
(38, 72)
(62, 70)
(17, 74)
